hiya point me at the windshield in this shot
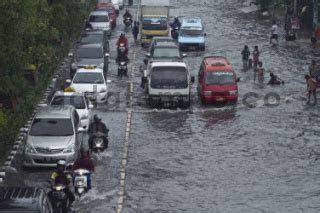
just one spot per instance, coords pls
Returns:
(169, 78)
(89, 53)
(159, 23)
(219, 78)
(191, 32)
(77, 101)
(96, 18)
(166, 53)
(92, 39)
(51, 127)
(108, 9)
(88, 78)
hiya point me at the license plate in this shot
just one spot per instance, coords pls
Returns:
(167, 104)
(220, 99)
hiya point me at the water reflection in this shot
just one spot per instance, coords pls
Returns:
(214, 117)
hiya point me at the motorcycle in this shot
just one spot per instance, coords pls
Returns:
(98, 142)
(59, 198)
(127, 21)
(80, 181)
(175, 33)
(122, 68)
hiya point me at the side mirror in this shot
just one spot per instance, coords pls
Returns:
(109, 81)
(145, 61)
(192, 79)
(144, 80)
(238, 79)
(205, 35)
(24, 130)
(81, 129)
(70, 54)
(184, 55)
(91, 106)
(68, 81)
(148, 55)
(107, 55)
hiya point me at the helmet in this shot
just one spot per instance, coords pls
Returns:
(82, 152)
(122, 35)
(97, 118)
(61, 163)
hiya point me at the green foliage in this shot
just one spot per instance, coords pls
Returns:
(36, 32)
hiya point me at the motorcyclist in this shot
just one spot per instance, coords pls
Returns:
(84, 161)
(61, 176)
(127, 14)
(176, 23)
(97, 126)
(123, 40)
(274, 80)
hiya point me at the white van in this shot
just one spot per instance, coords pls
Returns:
(99, 20)
(116, 4)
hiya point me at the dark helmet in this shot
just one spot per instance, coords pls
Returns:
(260, 63)
(83, 152)
(127, 11)
(122, 35)
(271, 74)
(97, 118)
(246, 47)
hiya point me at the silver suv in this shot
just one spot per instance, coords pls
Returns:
(54, 134)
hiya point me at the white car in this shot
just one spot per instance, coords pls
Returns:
(121, 4)
(79, 101)
(116, 4)
(99, 20)
(92, 83)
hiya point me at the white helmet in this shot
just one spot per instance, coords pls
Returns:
(61, 163)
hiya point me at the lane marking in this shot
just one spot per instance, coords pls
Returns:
(124, 159)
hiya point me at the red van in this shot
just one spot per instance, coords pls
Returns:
(217, 80)
(111, 11)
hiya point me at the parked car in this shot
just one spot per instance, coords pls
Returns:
(76, 99)
(111, 11)
(164, 50)
(191, 34)
(24, 199)
(54, 135)
(89, 54)
(95, 37)
(99, 20)
(92, 83)
(217, 80)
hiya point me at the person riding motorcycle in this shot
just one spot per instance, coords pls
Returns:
(123, 40)
(176, 23)
(84, 161)
(127, 15)
(97, 126)
(61, 176)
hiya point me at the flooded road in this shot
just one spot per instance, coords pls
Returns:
(212, 158)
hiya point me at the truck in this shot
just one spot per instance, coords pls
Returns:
(154, 19)
(167, 84)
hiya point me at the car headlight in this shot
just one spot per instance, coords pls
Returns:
(29, 148)
(101, 65)
(74, 66)
(233, 92)
(103, 90)
(69, 149)
(207, 93)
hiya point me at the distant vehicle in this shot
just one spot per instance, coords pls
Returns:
(154, 19)
(89, 54)
(168, 84)
(95, 37)
(164, 50)
(191, 35)
(76, 99)
(24, 199)
(217, 80)
(92, 83)
(116, 5)
(111, 11)
(99, 20)
(53, 135)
